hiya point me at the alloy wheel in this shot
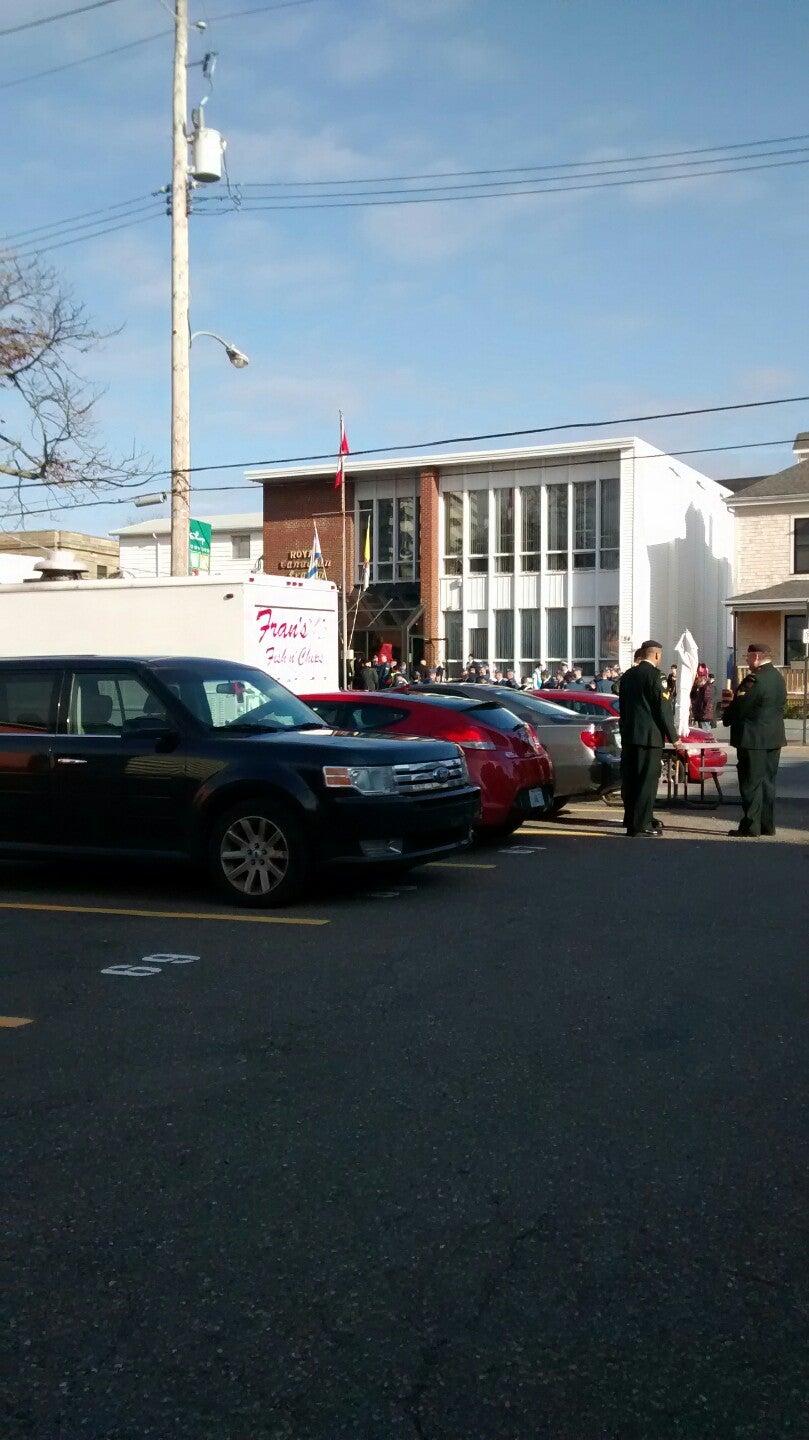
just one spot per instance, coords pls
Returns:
(254, 854)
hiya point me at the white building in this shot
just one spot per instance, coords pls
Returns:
(236, 547)
(577, 554)
(567, 553)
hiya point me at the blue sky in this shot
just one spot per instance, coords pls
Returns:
(423, 321)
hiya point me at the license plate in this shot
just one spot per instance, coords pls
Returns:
(536, 798)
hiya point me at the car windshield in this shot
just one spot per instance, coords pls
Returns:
(528, 706)
(237, 697)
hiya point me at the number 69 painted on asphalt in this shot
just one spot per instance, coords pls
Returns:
(150, 965)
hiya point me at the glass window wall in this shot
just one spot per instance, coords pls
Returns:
(504, 531)
(453, 534)
(557, 527)
(531, 527)
(584, 525)
(610, 523)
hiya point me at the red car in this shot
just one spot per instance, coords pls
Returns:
(595, 703)
(503, 754)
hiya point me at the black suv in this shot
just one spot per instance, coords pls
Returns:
(216, 762)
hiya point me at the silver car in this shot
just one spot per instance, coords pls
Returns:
(586, 753)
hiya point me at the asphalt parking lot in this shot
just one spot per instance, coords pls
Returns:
(516, 1148)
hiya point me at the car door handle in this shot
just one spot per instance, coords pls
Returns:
(69, 760)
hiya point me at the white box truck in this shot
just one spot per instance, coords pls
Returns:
(286, 627)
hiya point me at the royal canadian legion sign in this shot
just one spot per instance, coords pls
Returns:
(297, 563)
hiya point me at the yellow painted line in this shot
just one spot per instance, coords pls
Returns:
(13, 1022)
(238, 917)
(456, 865)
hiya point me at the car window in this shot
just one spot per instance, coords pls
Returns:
(354, 715)
(108, 702)
(28, 700)
(236, 697)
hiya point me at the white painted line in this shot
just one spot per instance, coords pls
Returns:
(383, 894)
(150, 965)
(522, 849)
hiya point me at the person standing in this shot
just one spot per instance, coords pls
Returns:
(702, 698)
(647, 722)
(756, 719)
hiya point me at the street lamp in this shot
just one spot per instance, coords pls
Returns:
(181, 439)
(236, 356)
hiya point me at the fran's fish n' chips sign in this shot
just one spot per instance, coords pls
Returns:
(296, 643)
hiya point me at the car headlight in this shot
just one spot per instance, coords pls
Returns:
(367, 779)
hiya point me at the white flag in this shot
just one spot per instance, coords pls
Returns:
(688, 655)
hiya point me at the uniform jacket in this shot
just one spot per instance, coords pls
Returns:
(647, 718)
(702, 703)
(756, 712)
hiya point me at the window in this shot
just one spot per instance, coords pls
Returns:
(584, 647)
(240, 547)
(358, 716)
(531, 638)
(405, 537)
(453, 534)
(794, 648)
(504, 531)
(607, 635)
(102, 571)
(504, 639)
(384, 526)
(557, 636)
(531, 529)
(557, 527)
(584, 527)
(479, 642)
(610, 523)
(453, 640)
(801, 550)
(230, 696)
(28, 701)
(104, 702)
(479, 531)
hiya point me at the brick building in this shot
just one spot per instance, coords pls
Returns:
(568, 553)
(771, 570)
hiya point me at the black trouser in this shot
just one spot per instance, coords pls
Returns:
(757, 772)
(640, 777)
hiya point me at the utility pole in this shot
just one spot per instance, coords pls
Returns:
(180, 347)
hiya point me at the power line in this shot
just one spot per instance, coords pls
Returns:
(144, 40)
(84, 60)
(251, 485)
(486, 185)
(517, 169)
(82, 215)
(407, 198)
(59, 15)
(149, 214)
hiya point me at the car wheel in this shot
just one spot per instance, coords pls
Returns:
(259, 854)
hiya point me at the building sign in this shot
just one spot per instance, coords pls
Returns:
(297, 563)
(199, 547)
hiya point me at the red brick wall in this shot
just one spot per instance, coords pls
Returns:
(290, 510)
(428, 560)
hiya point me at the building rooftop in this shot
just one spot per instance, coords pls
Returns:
(162, 524)
(787, 592)
(794, 481)
(448, 459)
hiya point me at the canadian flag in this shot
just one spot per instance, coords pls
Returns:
(341, 454)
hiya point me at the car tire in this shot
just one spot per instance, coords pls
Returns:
(258, 854)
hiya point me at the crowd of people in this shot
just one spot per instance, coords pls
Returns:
(378, 672)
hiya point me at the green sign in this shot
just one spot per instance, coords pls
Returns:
(199, 547)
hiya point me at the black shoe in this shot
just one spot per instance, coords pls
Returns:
(657, 826)
(645, 834)
(745, 834)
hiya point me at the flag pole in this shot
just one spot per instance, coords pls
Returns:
(343, 587)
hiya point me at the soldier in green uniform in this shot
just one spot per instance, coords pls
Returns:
(647, 722)
(756, 719)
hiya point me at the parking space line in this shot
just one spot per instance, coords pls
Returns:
(236, 917)
(457, 865)
(14, 1022)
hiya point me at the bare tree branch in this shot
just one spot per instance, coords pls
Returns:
(48, 445)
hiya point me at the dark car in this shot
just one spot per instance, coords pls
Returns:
(214, 762)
